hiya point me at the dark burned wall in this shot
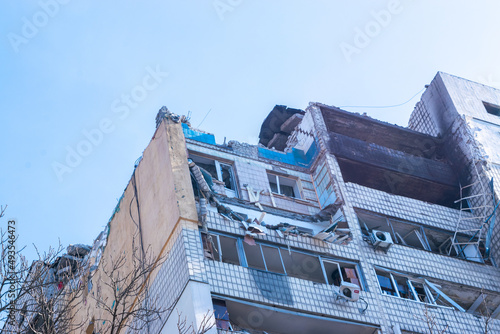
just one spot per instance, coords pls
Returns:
(397, 183)
(390, 158)
(273, 132)
(383, 134)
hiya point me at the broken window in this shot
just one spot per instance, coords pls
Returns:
(400, 286)
(403, 287)
(283, 185)
(227, 176)
(229, 250)
(263, 257)
(221, 173)
(420, 292)
(369, 222)
(475, 301)
(221, 315)
(210, 246)
(487, 306)
(254, 256)
(492, 109)
(446, 294)
(220, 248)
(302, 265)
(338, 272)
(386, 283)
(273, 260)
(417, 236)
(279, 260)
(462, 248)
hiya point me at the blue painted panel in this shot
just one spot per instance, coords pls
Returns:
(296, 157)
(198, 136)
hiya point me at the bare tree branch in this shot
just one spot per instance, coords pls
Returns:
(46, 300)
(123, 296)
(2, 210)
(205, 325)
(430, 320)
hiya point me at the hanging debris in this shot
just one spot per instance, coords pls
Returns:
(78, 250)
(257, 226)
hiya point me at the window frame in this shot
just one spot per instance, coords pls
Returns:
(492, 109)
(419, 231)
(297, 189)
(243, 260)
(340, 264)
(264, 261)
(428, 287)
(218, 249)
(318, 257)
(220, 319)
(219, 163)
(409, 282)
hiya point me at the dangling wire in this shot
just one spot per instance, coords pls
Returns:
(392, 106)
(204, 117)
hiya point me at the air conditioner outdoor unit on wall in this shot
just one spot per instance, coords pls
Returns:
(381, 239)
(349, 291)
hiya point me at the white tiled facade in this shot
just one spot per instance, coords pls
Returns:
(388, 314)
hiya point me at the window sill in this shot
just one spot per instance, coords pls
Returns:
(432, 252)
(421, 303)
(294, 199)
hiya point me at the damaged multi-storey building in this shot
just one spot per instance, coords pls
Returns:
(334, 223)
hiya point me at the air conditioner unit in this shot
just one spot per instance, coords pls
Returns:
(381, 239)
(349, 291)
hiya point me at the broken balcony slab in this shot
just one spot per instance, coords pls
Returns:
(300, 221)
(278, 140)
(289, 125)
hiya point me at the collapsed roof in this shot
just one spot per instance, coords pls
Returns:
(278, 125)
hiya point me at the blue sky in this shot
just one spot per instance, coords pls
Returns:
(71, 70)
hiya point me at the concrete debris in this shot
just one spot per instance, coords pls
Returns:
(199, 177)
(98, 247)
(254, 196)
(67, 266)
(249, 240)
(203, 211)
(271, 196)
(165, 113)
(333, 233)
(78, 250)
(278, 125)
(257, 226)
